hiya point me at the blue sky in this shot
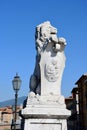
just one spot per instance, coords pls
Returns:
(18, 19)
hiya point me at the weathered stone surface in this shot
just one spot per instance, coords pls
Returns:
(45, 108)
(45, 124)
(50, 61)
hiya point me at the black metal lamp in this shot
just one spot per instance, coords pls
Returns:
(16, 83)
(16, 86)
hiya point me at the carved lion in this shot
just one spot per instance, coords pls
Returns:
(45, 33)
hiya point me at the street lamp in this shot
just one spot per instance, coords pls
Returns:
(16, 82)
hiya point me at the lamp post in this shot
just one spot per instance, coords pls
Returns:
(16, 82)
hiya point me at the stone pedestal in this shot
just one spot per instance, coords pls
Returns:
(45, 124)
(45, 117)
(42, 113)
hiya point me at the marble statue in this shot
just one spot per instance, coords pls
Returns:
(45, 107)
(50, 60)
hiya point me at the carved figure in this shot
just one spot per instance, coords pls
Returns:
(47, 40)
(45, 33)
(52, 70)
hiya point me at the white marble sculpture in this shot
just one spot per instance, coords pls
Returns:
(45, 108)
(50, 62)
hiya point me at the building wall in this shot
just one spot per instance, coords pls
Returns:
(5, 126)
(6, 116)
(82, 92)
(74, 107)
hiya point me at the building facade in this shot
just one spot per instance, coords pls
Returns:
(7, 117)
(82, 95)
(78, 105)
(72, 104)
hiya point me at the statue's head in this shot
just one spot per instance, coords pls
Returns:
(45, 31)
(44, 34)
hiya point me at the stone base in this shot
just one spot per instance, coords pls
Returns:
(45, 124)
(45, 117)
